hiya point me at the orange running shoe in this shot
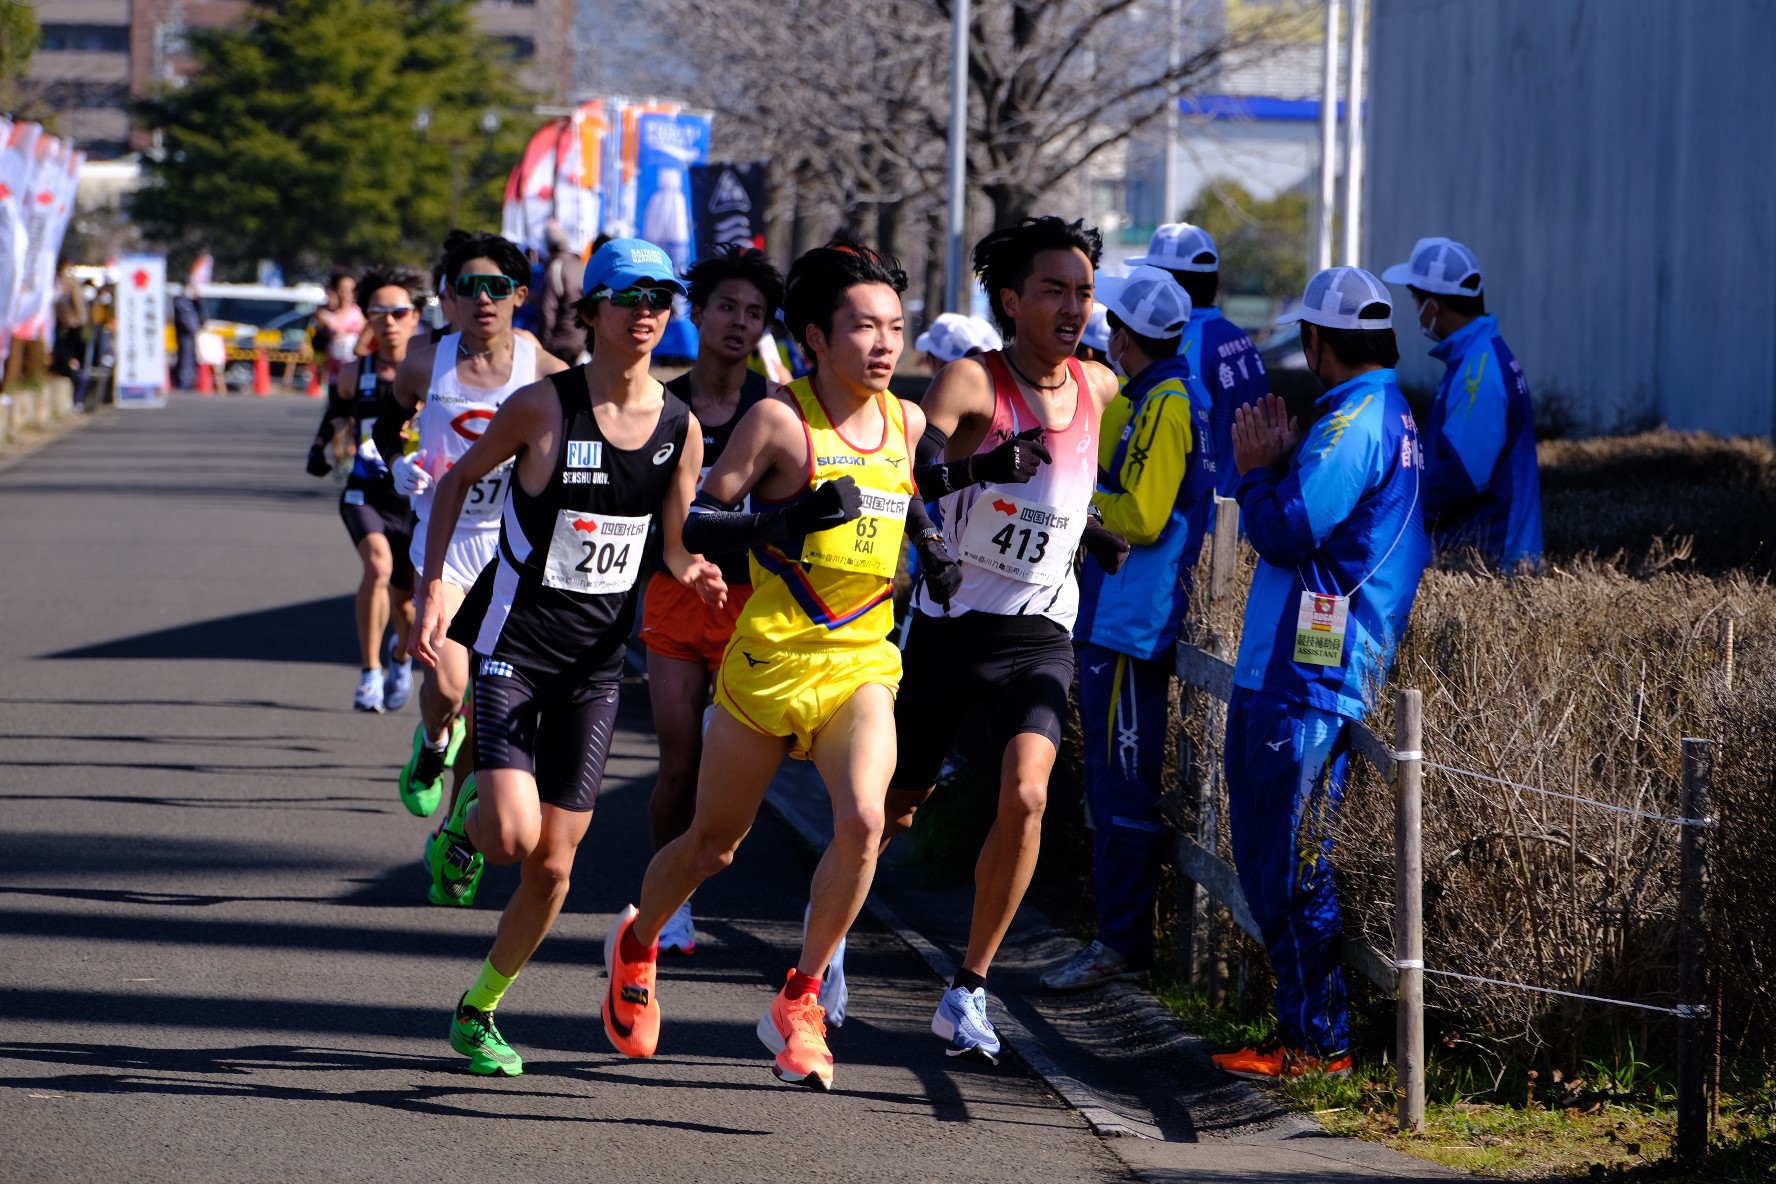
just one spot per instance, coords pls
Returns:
(1301, 1063)
(795, 1029)
(1263, 1063)
(631, 1013)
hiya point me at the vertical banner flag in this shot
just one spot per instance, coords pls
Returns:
(141, 331)
(42, 195)
(728, 204)
(667, 147)
(17, 153)
(530, 190)
(580, 176)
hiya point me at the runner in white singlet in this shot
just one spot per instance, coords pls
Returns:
(458, 383)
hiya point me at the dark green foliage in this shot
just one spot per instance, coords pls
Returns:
(297, 141)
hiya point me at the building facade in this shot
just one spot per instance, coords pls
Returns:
(98, 56)
(1601, 157)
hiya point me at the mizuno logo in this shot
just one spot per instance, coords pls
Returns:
(1099, 667)
(752, 661)
(1276, 745)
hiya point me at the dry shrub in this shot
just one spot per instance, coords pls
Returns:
(1614, 496)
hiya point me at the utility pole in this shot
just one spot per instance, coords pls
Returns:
(1353, 136)
(953, 285)
(1169, 203)
(1328, 140)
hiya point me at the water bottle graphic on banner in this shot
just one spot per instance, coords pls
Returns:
(667, 220)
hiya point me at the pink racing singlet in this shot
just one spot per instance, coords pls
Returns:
(1016, 542)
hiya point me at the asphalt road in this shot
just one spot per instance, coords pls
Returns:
(216, 963)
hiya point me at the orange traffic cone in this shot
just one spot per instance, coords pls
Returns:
(261, 373)
(206, 382)
(314, 379)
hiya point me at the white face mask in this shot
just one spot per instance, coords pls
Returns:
(1429, 328)
(1115, 362)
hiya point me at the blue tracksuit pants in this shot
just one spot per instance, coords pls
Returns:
(1124, 720)
(1285, 766)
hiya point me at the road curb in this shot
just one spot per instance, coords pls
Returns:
(1101, 1118)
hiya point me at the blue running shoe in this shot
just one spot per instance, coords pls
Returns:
(961, 1019)
(369, 696)
(397, 687)
(833, 995)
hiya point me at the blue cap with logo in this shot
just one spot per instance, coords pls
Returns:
(625, 262)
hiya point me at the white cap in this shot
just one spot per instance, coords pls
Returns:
(1151, 302)
(950, 336)
(1179, 246)
(1096, 334)
(1439, 265)
(1335, 297)
(983, 334)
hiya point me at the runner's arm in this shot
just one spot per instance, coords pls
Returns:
(760, 447)
(692, 570)
(413, 378)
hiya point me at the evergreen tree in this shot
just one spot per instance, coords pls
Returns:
(324, 131)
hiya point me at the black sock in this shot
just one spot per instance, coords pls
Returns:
(968, 980)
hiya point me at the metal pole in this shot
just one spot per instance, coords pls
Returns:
(953, 281)
(1169, 210)
(1328, 139)
(1353, 135)
(1409, 1030)
(1692, 965)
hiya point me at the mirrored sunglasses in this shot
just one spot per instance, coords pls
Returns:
(470, 287)
(658, 299)
(394, 312)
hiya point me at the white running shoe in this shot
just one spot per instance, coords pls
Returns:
(961, 1018)
(397, 686)
(369, 696)
(679, 936)
(1092, 965)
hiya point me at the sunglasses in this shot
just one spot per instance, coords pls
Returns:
(394, 312)
(658, 299)
(469, 287)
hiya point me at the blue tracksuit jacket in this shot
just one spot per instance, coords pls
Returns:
(1220, 353)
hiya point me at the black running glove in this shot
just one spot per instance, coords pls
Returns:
(937, 567)
(833, 503)
(1105, 545)
(1012, 463)
(716, 529)
(318, 465)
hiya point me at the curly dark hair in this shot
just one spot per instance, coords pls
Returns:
(736, 262)
(818, 281)
(1004, 258)
(460, 246)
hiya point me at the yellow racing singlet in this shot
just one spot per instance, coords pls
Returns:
(836, 587)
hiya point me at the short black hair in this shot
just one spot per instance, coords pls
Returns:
(1466, 306)
(1360, 347)
(1004, 258)
(460, 246)
(339, 273)
(1203, 286)
(378, 278)
(818, 281)
(1154, 347)
(734, 261)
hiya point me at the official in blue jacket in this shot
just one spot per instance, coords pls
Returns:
(1219, 351)
(1483, 489)
(1336, 516)
(1156, 483)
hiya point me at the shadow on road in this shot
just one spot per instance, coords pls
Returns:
(313, 631)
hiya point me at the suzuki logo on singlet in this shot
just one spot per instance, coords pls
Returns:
(585, 454)
(836, 461)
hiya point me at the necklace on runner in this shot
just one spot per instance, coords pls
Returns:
(468, 353)
(1037, 385)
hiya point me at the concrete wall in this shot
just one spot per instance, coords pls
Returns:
(1610, 161)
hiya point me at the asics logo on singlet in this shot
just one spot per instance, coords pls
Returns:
(585, 454)
(752, 661)
(664, 455)
(839, 460)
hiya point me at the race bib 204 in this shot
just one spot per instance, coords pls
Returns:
(595, 554)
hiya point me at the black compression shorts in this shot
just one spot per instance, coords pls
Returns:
(558, 732)
(1019, 669)
(366, 512)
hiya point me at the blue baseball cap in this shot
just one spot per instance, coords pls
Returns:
(625, 262)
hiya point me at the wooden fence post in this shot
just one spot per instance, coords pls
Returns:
(1692, 966)
(1205, 957)
(1726, 651)
(1409, 908)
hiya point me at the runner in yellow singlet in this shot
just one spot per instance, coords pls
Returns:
(828, 462)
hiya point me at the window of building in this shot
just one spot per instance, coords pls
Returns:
(86, 38)
(523, 48)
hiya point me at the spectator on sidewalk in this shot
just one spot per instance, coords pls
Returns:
(188, 319)
(558, 325)
(1220, 352)
(1336, 517)
(1156, 484)
(68, 357)
(1482, 487)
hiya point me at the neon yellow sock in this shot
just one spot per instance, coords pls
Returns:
(489, 988)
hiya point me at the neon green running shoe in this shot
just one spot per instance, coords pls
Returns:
(474, 1034)
(455, 864)
(422, 778)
